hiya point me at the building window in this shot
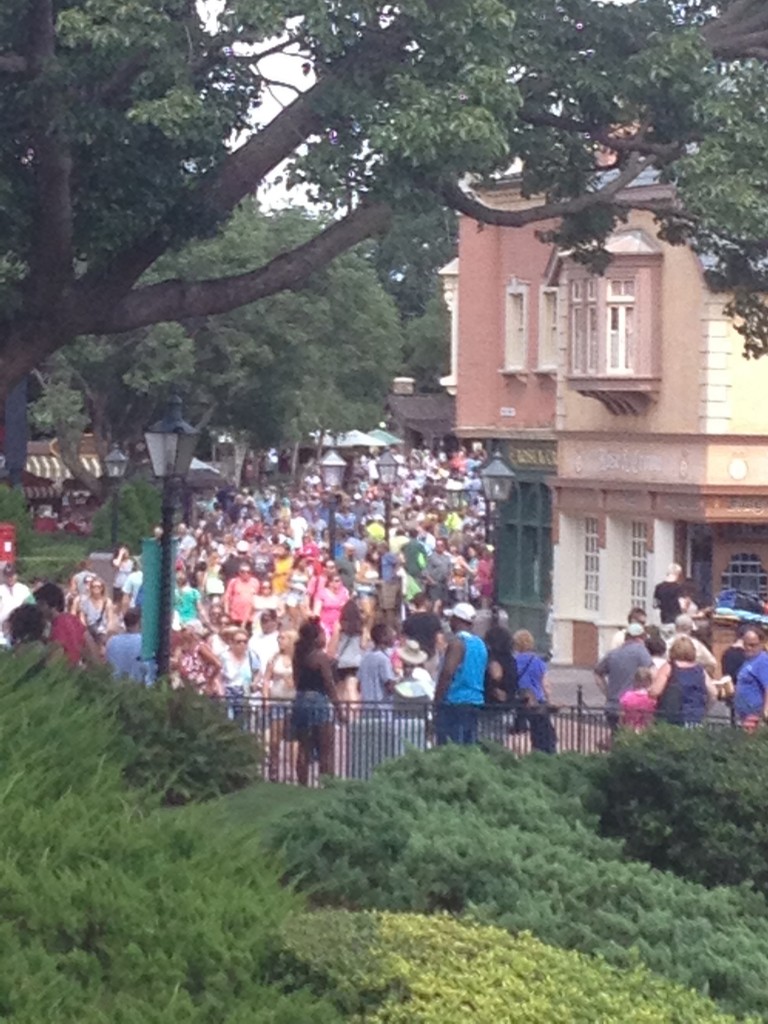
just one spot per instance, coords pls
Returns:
(745, 572)
(591, 565)
(516, 327)
(584, 326)
(620, 330)
(548, 329)
(639, 566)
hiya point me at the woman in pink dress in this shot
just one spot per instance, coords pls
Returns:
(484, 576)
(331, 598)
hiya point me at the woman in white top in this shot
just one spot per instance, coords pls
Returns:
(237, 673)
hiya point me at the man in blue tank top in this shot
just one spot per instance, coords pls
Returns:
(460, 689)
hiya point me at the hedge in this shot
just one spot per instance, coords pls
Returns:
(454, 830)
(114, 913)
(690, 800)
(408, 969)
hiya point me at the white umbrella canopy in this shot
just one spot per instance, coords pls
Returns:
(353, 439)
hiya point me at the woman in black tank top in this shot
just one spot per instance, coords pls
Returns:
(313, 708)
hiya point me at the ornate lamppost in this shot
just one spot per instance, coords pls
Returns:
(171, 444)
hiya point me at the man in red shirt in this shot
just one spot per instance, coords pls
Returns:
(239, 595)
(66, 631)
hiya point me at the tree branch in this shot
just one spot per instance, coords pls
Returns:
(635, 143)
(244, 168)
(52, 262)
(12, 64)
(180, 300)
(609, 195)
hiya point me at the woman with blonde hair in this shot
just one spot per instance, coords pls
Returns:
(681, 687)
(279, 690)
(533, 694)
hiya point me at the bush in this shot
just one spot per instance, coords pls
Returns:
(406, 969)
(13, 509)
(56, 557)
(173, 742)
(139, 514)
(692, 801)
(110, 912)
(454, 830)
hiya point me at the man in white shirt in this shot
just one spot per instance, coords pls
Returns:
(12, 595)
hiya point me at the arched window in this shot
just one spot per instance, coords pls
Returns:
(745, 572)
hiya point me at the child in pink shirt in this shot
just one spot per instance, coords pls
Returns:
(638, 708)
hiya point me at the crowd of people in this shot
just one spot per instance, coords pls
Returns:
(667, 673)
(265, 613)
(295, 639)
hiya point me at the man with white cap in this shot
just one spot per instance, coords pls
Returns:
(460, 691)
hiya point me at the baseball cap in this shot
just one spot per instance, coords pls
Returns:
(635, 629)
(242, 547)
(463, 610)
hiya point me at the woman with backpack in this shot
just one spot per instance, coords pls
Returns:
(682, 688)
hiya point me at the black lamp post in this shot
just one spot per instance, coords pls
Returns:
(498, 479)
(116, 464)
(171, 445)
(387, 467)
(332, 470)
(455, 492)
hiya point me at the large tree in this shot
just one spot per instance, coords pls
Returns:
(268, 372)
(129, 126)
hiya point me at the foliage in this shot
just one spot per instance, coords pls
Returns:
(319, 358)
(13, 509)
(173, 743)
(690, 801)
(56, 556)
(428, 346)
(406, 969)
(117, 120)
(455, 830)
(138, 515)
(112, 913)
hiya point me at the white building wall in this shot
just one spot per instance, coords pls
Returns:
(568, 581)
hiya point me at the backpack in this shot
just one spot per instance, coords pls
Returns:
(670, 704)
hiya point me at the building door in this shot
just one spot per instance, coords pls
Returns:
(525, 556)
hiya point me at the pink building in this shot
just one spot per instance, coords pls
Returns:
(504, 376)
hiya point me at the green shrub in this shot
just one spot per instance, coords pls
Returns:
(55, 557)
(173, 742)
(13, 509)
(692, 801)
(110, 912)
(139, 514)
(455, 830)
(406, 969)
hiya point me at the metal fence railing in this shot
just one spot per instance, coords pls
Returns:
(351, 741)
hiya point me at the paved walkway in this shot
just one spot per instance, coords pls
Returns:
(565, 681)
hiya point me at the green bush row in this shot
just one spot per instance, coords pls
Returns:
(408, 969)
(692, 801)
(112, 912)
(513, 844)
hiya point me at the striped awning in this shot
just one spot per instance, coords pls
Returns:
(52, 468)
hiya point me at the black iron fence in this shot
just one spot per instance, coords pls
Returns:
(349, 741)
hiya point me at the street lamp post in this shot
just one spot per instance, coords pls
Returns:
(332, 470)
(455, 492)
(171, 444)
(116, 464)
(498, 479)
(387, 467)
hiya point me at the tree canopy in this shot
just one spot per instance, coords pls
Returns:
(269, 372)
(117, 121)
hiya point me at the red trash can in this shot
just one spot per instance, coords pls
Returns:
(7, 543)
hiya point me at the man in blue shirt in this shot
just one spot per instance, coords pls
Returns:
(460, 689)
(123, 651)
